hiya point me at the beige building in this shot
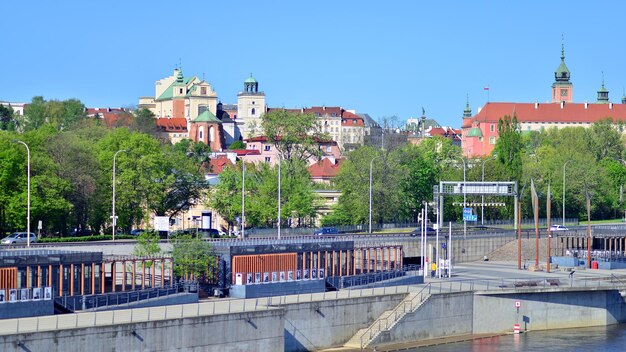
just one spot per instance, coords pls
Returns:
(250, 107)
(177, 96)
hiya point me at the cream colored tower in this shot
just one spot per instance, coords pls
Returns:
(250, 108)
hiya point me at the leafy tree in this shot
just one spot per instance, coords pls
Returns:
(193, 258)
(293, 134)
(34, 114)
(509, 146)
(237, 145)
(605, 140)
(144, 121)
(147, 244)
(7, 122)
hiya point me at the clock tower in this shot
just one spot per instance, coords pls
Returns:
(562, 89)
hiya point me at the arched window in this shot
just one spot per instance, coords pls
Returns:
(201, 134)
(253, 111)
(210, 136)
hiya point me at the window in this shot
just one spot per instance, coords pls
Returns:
(253, 111)
(180, 91)
(480, 139)
(252, 102)
(492, 140)
(203, 90)
(328, 149)
(267, 159)
(334, 114)
(492, 128)
(267, 148)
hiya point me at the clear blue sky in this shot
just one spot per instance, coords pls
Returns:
(379, 57)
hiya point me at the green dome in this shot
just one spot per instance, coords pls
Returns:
(206, 116)
(475, 132)
(250, 80)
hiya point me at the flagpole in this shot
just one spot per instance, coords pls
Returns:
(487, 89)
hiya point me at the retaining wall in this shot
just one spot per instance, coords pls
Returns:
(250, 331)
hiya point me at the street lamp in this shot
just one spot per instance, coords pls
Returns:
(113, 212)
(243, 198)
(280, 159)
(370, 213)
(28, 190)
(464, 201)
(564, 191)
(482, 205)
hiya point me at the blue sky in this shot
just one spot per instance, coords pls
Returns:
(379, 57)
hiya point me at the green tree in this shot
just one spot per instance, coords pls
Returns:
(509, 146)
(294, 135)
(193, 258)
(147, 244)
(144, 121)
(7, 122)
(237, 145)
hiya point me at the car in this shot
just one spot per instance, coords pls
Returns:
(136, 232)
(558, 228)
(19, 237)
(326, 231)
(430, 231)
(210, 233)
(80, 233)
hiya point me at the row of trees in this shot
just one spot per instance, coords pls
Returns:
(71, 173)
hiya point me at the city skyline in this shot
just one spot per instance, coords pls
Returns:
(380, 59)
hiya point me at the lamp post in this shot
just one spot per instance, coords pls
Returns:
(370, 212)
(27, 191)
(113, 210)
(482, 205)
(280, 159)
(464, 200)
(564, 191)
(243, 198)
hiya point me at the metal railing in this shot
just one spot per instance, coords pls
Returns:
(116, 299)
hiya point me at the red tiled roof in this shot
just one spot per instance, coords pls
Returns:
(218, 164)
(549, 112)
(116, 119)
(93, 111)
(325, 168)
(257, 139)
(175, 124)
(242, 152)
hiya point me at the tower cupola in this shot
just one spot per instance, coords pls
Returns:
(603, 93)
(467, 112)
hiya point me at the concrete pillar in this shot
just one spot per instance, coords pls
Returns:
(82, 278)
(113, 275)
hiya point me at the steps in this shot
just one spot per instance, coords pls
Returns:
(388, 319)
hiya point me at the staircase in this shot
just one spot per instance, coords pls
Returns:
(389, 319)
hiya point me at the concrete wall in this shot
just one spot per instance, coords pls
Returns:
(440, 315)
(251, 331)
(18, 309)
(324, 324)
(548, 309)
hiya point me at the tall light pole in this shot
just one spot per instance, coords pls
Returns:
(27, 191)
(113, 217)
(482, 205)
(243, 198)
(370, 213)
(464, 200)
(280, 159)
(564, 191)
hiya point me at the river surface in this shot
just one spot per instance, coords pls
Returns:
(609, 338)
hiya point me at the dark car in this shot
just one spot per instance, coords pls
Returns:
(136, 232)
(326, 231)
(429, 231)
(80, 233)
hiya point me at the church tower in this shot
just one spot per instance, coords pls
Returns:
(562, 89)
(250, 107)
(467, 112)
(603, 93)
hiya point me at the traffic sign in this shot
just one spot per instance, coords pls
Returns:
(470, 217)
(467, 211)
(518, 304)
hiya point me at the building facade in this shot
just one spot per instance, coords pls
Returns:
(480, 132)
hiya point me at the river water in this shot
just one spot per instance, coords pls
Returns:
(609, 338)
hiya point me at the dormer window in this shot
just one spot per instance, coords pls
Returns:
(334, 114)
(180, 91)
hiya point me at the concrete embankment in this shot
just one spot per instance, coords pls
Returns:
(316, 321)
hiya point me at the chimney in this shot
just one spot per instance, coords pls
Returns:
(610, 106)
(586, 104)
(536, 105)
(562, 104)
